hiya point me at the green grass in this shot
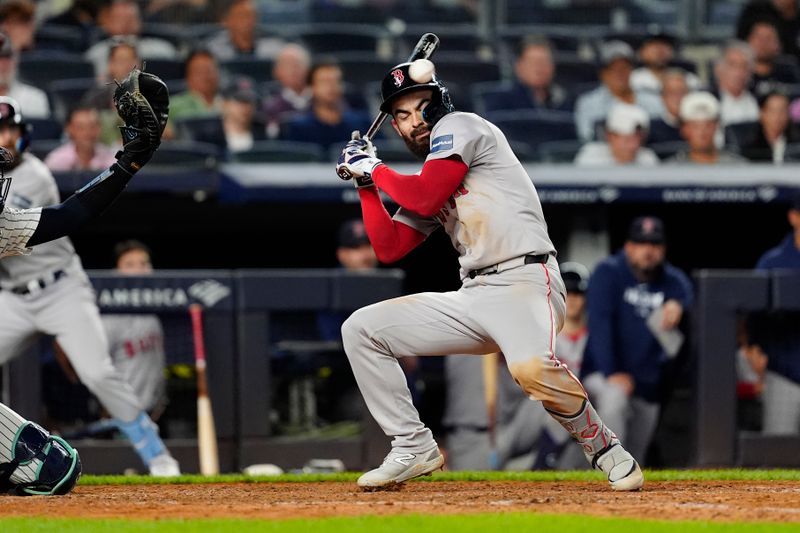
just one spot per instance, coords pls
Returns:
(483, 523)
(577, 475)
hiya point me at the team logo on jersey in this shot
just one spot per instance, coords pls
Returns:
(397, 74)
(442, 143)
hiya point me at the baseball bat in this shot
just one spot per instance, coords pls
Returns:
(425, 48)
(206, 433)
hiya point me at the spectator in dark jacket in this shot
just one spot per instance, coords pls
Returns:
(783, 13)
(624, 362)
(778, 336)
(774, 130)
(534, 87)
(768, 72)
(328, 121)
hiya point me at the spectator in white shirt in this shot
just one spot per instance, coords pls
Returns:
(700, 115)
(83, 151)
(626, 131)
(733, 72)
(616, 65)
(32, 101)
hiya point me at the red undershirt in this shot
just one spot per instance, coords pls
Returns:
(423, 194)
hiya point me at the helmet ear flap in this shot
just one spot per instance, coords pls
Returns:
(25, 137)
(440, 105)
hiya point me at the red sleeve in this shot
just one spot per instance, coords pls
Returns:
(390, 239)
(426, 193)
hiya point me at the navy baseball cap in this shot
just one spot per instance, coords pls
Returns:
(647, 229)
(353, 234)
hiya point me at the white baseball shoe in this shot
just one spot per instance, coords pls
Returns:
(399, 467)
(621, 468)
(164, 465)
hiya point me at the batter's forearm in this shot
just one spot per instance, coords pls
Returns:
(391, 240)
(87, 203)
(426, 193)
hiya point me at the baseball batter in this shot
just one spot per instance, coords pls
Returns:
(31, 460)
(512, 298)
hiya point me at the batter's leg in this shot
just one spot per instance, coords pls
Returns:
(523, 313)
(374, 337)
(613, 404)
(72, 316)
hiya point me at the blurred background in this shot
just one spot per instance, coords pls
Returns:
(685, 111)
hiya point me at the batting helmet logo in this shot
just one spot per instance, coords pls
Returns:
(397, 74)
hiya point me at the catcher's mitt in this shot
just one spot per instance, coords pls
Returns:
(142, 101)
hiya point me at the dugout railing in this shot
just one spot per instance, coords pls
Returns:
(722, 297)
(238, 307)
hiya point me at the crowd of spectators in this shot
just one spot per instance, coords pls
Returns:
(304, 93)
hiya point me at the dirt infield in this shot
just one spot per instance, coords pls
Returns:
(777, 501)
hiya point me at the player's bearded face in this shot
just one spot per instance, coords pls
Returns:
(419, 141)
(408, 122)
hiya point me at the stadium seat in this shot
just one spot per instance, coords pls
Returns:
(207, 129)
(66, 93)
(44, 128)
(667, 149)
(260, 70)
(39, 69)
(61, 38)
(574, 73)
(361, 68)
(186, 154)
(453, 38)
(166, 69)
(465, 68)
(320, 38)
(559, 151)
(281, 152)
(534, 127)
(737, 135)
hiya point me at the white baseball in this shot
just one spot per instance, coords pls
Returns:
(421, 70)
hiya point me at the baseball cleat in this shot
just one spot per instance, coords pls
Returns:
(399, 467)
(164, 465)
(621, 468)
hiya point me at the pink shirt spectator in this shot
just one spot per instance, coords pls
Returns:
(66, 158)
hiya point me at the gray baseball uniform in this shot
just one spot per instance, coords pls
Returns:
(137, 350)
(48, 292)
(493, 219)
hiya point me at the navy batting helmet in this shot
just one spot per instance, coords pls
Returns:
(398, 82)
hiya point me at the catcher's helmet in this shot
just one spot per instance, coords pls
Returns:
(10, 115)
(398, 82)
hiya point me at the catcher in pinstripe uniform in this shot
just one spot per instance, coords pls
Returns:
(32, 461)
